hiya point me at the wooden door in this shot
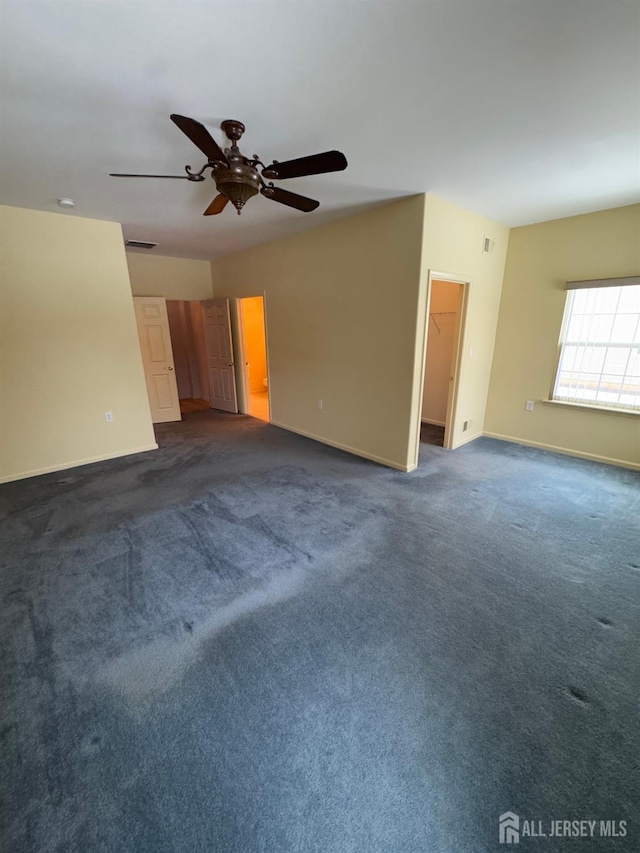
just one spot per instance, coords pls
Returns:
(157, 358)
(219, 355)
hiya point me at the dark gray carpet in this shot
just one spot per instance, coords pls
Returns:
(248, 642)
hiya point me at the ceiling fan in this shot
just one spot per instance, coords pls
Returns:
(237, 177)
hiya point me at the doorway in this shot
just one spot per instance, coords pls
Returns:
(187, 340)
(444, 333)
(187, 355)
(253, 345)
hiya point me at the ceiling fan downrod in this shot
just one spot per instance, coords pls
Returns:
(239, 181)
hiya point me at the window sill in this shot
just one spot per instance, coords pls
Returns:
(586, 407)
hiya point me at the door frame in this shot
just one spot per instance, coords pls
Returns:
(242, 378)
(458, 351)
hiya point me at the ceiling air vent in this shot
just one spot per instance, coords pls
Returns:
(140, 244)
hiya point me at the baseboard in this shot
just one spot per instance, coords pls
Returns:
(567, 451)
(466, 440)
(353, 450)
(435, 423)
(50, 469)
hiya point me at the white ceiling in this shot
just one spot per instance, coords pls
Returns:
(521, 110)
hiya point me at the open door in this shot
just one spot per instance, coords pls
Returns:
(157, 358)
(219, 355)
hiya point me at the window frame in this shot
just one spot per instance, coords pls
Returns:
(570, 289)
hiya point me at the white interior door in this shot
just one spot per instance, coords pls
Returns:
(219, 354)
(157, 358)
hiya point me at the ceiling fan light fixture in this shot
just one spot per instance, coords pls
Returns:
(237, 193)
(238, 183)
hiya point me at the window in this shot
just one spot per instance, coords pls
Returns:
(599, 362)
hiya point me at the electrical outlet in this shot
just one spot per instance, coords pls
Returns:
(108, 416)
(465, 426)
(529, 406)
(320, 404)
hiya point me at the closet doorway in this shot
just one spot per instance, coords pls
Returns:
(444, 323)
(253, 357)
(187, 340)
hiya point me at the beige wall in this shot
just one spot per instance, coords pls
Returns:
(173, 278)
(68, 345)
(453, 244)
(341, 312)
(541, 258)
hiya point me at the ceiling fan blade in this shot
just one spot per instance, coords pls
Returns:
(201, 137)
(217, 205)
(316, 164)
(300, 202)
(125, 175)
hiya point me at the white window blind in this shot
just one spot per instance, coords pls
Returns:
(599, 362)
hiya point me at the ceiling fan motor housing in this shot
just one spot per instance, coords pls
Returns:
(239, 182)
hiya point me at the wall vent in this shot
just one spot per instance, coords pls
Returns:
(140, 244)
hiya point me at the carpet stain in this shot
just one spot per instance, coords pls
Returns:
(578, 696)
(6, 731)
(91, 745)
(142, 675)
